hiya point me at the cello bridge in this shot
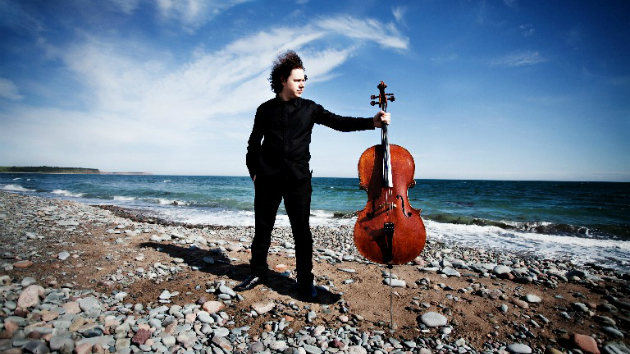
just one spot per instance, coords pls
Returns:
(388, 206)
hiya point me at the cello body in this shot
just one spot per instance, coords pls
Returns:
(388, 230)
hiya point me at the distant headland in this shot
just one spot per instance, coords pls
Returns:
(62, 170)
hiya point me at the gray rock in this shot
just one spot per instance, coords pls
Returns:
(204, 317)
(262, 308)
(524, 280)
(168, 340)
(580, 307)
(410, 344)
(61, 344)
(27, 281)
(36, 346)
(221, 332)
(90, 305)
(433, 319)
(102, 341)
(445, 263)
(557, 276)
(615, 348)
(501, 269)
(256, 347)
(395, 283)
(311, 349)
(63, 255)
(187, 338)
(613, 332)
(605, 320)
(459, 263)
(531, 298)
(356, 349)
(227, 290)
(155, 323)
(518, 348)
(451, 272)
(347, 270)
(278, 345)
(576, 273)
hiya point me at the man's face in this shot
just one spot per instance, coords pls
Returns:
(294, 85)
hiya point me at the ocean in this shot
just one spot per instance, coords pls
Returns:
(585, 222)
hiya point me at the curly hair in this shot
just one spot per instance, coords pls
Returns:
(282, 67)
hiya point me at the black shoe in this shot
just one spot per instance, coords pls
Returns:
(250, 283)
(307, 293)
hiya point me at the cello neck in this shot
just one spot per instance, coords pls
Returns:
(387, 162)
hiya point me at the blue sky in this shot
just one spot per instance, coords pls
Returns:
(517, 90)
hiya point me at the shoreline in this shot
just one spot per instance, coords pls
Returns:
(160, 288)
(84, 173)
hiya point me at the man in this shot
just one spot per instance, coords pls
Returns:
(279, 167)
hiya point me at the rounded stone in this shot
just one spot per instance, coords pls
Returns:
(395, 283)
(501, 269)
(518, 348)
(204, 317)
(613, 332)
(141, 336)
(586, 343)
(168, 340)
(30, 296)
(221, 332)
(28, 281)
(90, 305)
(531, 298)
(433, 319)
(213, 306)
(227, 290)
(22, 264)
(63, 255)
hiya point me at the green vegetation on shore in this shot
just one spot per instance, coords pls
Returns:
(47, 169)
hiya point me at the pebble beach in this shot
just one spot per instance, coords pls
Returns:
(77, 278)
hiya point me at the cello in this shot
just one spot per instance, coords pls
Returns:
(388, 230)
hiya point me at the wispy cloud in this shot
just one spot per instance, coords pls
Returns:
(126, 6)
(193, 13)
(527, 30)
(447, 58)
(511, 3)
(9, 91)
(387, 35)
(143, 103)
(399, 13)
(17, 19)
(573, 38)
(520, 58)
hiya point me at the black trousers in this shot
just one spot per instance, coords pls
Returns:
(297, 202)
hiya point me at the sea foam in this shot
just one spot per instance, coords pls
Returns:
(66, 193)
(120, 198)
(576, 249)
(16, 188)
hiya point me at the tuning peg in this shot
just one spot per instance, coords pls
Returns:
(372, 103)
(373, 97)
(391, 98)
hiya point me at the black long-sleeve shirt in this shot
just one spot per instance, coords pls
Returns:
(285, 131)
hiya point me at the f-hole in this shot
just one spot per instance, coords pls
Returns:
(402, 202)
